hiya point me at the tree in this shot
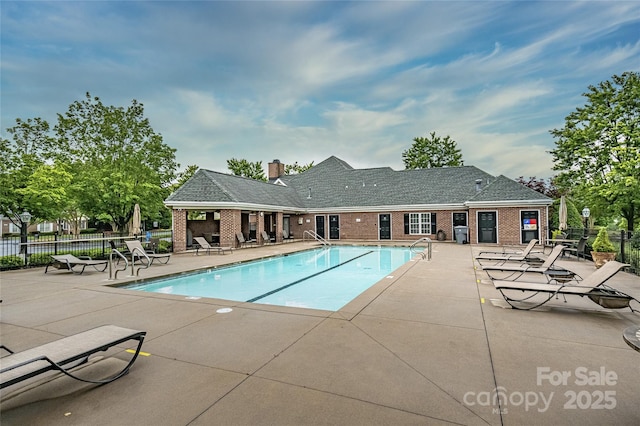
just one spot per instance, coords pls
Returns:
(27, 182)
(116, 158)
(543, 186)
(247, 169)
(598, 150)
(292, 169)
(432, 152)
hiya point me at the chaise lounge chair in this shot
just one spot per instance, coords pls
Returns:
(138, 252)
(499, 258)
(286, 236)
(64, 354)
(592, 286)
(69, 261)
(266, 238)
(547, 267)
(204, 245)
(244, 242)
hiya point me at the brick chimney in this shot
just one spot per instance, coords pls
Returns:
(276, 169)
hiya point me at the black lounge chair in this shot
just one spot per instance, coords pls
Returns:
(69, 261)
(592, 286)
(66, 353)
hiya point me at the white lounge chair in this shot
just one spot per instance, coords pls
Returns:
(243, 242)
(266, 238)
(138, 252)
(66, 353)
(203, 244)
(69, 261)
(499, 258)
(547, 267)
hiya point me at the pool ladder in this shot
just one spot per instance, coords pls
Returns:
(314, 235)
(422, 253)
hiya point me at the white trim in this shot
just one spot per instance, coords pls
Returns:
(498, 204)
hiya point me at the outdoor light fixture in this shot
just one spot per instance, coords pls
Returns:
(585, 214)
(25, 217)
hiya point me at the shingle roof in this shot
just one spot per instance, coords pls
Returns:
(334, 184)
(207, 186)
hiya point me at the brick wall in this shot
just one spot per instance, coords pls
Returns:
(179, 230)
(230, 224)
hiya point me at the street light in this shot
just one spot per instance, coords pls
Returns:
(25, 218)
(585, 214)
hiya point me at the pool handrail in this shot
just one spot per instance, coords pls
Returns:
(424, 256)
(314, 235)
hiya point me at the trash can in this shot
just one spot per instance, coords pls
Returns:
(461, 234)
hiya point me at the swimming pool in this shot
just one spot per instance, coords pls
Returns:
(324, 278)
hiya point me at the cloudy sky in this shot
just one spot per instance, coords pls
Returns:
(301, 81)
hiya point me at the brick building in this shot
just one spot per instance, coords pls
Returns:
(339, 202)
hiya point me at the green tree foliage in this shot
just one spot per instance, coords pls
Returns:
(295, 168)
(116, 158)
(433, 151)
(247, 169)
(598, 150)
(28, 179)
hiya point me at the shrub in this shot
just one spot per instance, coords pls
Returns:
(602, 242)
(11, 262)
(164, 246)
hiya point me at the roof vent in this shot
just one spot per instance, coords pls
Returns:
(478, 185)
(309, 196)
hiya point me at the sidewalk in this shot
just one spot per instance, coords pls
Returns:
(431, 345)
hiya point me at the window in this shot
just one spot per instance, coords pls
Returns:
(45, 227)
(419, 223)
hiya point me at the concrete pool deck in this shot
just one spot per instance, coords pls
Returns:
(431, 344)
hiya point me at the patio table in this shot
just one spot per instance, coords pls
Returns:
(631, 335)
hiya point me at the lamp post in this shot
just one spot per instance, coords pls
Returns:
(585, 214)
(25, 218)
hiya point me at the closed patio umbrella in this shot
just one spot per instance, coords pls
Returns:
(562, 220)
(136, 222)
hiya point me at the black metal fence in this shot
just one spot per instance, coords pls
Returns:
(40, 247)
(627, 245)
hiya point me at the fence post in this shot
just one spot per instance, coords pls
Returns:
(622, 256)
(55, 245)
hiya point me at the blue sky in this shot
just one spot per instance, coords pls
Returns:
(300, 81)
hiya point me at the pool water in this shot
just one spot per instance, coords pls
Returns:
(324, 278)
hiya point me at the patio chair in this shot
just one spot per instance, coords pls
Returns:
(266, 238)
(204, 245)
(592, 286)
(286, 236)
(499, 258)
(242, 240)
(547, 268)
(578, 250)
(138, 252)
(66, 353)
(69, 261)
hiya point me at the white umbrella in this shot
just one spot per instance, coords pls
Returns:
(136, 221)
(562, 214)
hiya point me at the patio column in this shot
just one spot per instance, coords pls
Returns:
(279, 227)
(260, 228)
(179, 230)
(230, 225)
